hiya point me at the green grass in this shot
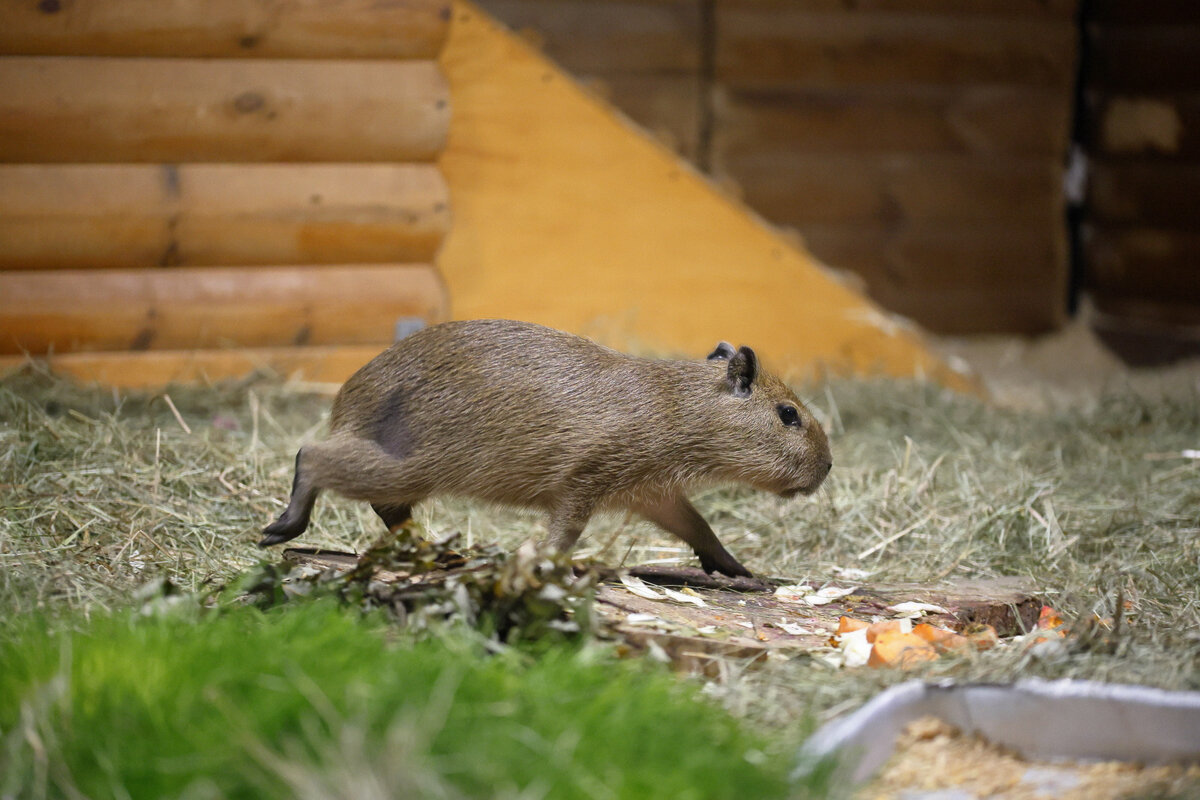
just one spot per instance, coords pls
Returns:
(318, 702)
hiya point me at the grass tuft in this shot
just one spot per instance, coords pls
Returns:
(316, 703)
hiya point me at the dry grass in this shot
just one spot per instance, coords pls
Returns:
(101, 491)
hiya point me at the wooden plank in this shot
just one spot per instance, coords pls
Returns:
(157, 368)
(1063, 10)
(796, 47)
(607, 36)
(984, 120)
(974, 278)
(622, 240)
(85, 216)
(1145, 58)
(208, 307)
(800, 188)
(1157, 194)
(65, 109)
(1145, 263)
(1159, 125)
(226, 28)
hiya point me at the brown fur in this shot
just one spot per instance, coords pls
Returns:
(524, 415)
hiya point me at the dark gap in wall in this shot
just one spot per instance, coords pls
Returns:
(708, 81)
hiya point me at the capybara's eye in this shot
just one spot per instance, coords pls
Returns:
(788, 415)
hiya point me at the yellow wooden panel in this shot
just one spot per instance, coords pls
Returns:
(567, 215)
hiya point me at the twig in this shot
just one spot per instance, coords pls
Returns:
(178, 416)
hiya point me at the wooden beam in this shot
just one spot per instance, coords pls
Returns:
(125, 216)
(226, 28)
(157, 368)
(574, 218)
(207, 307)
(64, 109)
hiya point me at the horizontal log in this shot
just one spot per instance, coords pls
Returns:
(208, 307)
(1153, 194)
(158, 368)
(1008, 120)
(226, 28)
(977, 278)
(85, 216)
(63, 109)
(793, 46)
(890, 189)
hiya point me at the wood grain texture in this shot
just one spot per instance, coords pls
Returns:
(102, 216)
(964, 278)
(208, 307)
(1152, 265)
(225, 28)
(1063, 10)
(1132, 192)
(574, 219)
(896, 188)
(65, 109)
(158, 368)
(608, 36)
(980, 120)
(773, 45)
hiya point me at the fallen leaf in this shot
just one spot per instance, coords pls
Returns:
(834, 592)
(916, 608)
(638, 587)
(680, 597)
(793, 591)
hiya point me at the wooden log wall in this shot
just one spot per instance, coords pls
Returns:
(214, 173)
(1141, 245)
(918, 143)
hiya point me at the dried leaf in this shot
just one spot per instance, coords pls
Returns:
(638, 587)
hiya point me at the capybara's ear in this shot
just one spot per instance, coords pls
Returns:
(724, 352)
(743, 369)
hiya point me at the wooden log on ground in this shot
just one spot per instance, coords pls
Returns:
(85, 216)
(210, 307)
(226, 28)
(180, 110)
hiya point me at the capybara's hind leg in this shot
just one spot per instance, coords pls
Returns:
(294, 519)
(394, 516)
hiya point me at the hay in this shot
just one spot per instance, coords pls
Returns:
(102, 491)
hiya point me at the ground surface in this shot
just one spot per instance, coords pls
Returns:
(1075, 479)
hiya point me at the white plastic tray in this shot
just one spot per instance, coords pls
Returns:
(1044, 720)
